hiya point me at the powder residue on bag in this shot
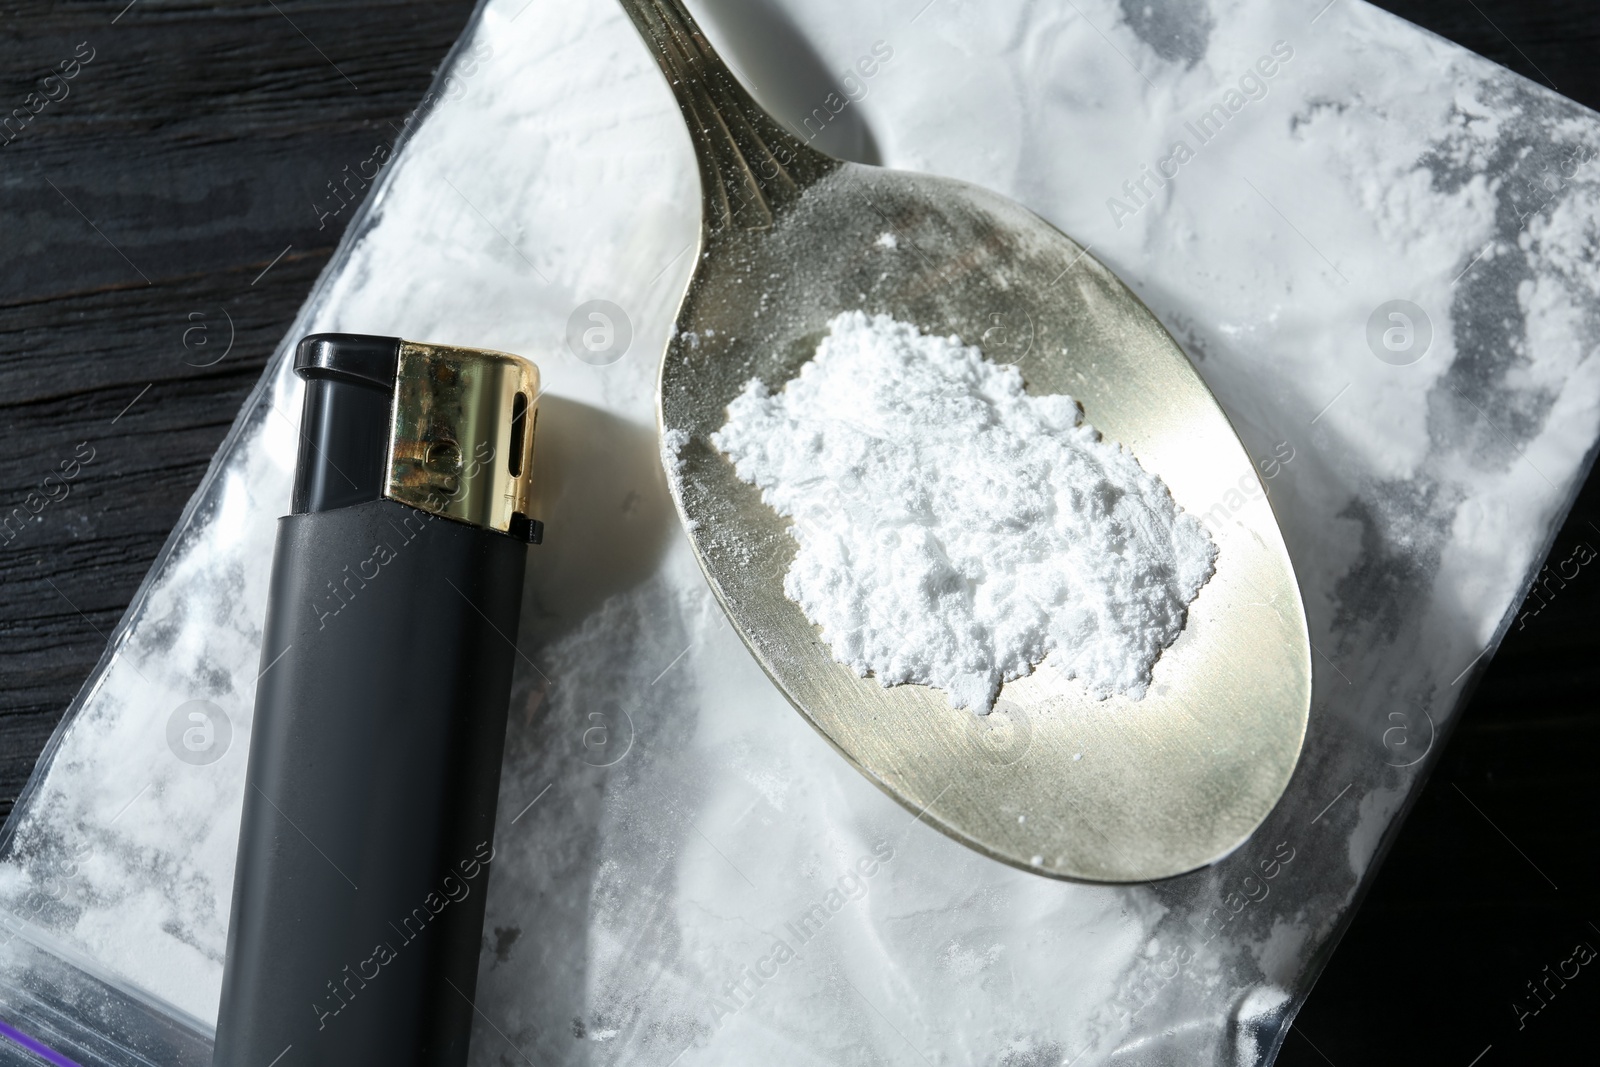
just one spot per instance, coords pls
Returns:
(955, 531)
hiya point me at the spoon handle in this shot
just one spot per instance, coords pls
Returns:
(750, 166)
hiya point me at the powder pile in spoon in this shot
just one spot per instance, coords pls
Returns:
(955, 531)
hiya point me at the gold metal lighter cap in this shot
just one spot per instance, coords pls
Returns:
(461, 441)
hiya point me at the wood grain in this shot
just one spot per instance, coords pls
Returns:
(138, 215)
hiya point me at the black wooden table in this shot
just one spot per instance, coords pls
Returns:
(162, 211)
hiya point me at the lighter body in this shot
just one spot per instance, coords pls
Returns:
(366, 842)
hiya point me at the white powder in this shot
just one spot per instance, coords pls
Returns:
(955, 531)
(672, 442)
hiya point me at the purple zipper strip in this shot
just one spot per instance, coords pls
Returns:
(34, 1046)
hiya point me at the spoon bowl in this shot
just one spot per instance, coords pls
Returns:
(1053, 780)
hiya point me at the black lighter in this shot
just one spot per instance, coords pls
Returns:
(380, 711)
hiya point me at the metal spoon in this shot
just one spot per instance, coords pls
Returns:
(1052, 781)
